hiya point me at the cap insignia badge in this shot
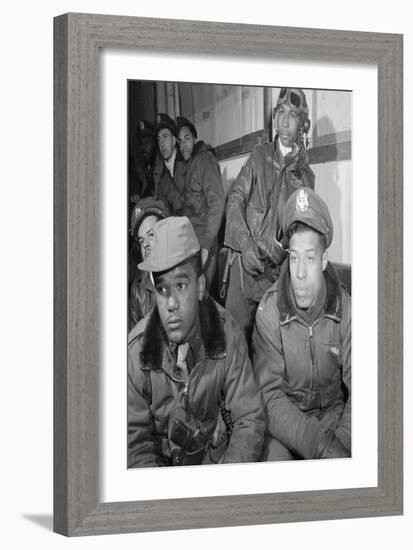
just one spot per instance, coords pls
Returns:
(301, 201)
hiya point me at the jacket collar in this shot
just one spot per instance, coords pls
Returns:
(170, 164)
(155, 344)
(199, 147)
(286, 160)
(333, 305)
(277, 157)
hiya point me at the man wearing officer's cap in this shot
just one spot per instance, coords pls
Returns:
(169, 177)
(272, 172)
(192, 397)
(204, 200)
(146, 213)
(302, 342)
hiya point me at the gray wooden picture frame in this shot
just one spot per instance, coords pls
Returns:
(78, 39)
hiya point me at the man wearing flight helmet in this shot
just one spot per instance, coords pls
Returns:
(271, 174)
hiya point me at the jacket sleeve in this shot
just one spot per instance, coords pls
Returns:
(243, 401)
(135, 313)
(141, 445)
(302, 434)
(343, 431)
(164, 192)
(237, 235)
(214, 195)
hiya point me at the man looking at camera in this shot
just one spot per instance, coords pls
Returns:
(302, 342)
(192, 397)
(255, 202)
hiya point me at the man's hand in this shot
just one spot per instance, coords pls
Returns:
(252, 264)
(204, 256)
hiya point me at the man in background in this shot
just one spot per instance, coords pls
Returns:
(169, 177)
(203, 196)
(146, 213)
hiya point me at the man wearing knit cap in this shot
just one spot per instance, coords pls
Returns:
(302, 342)
(169, 179)
(192, 398)
(204, 200)
(146, 213)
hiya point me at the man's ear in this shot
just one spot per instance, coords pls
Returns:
(174, 140)
(324, 259)
(201, 287)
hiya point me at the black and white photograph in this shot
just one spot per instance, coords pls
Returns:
(239, 273)
(193, 194)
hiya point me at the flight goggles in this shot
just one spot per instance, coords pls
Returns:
(293, 98)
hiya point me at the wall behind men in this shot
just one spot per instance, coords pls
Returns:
(333, 184)
(26, 286)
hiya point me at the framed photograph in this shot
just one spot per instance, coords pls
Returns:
(100, 62)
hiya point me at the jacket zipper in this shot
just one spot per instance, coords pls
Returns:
(186, 402)
(311, 345)
(185, 391)
(313, 365)
(310, 330)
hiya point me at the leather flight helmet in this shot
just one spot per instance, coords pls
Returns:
(296, 100)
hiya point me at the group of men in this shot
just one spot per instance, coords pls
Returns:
(268, 376)
(178, 170)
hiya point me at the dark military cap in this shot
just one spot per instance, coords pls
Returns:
(305, 206)
(146, 207)
(181, 122)
(165, 121)
(146, 128)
